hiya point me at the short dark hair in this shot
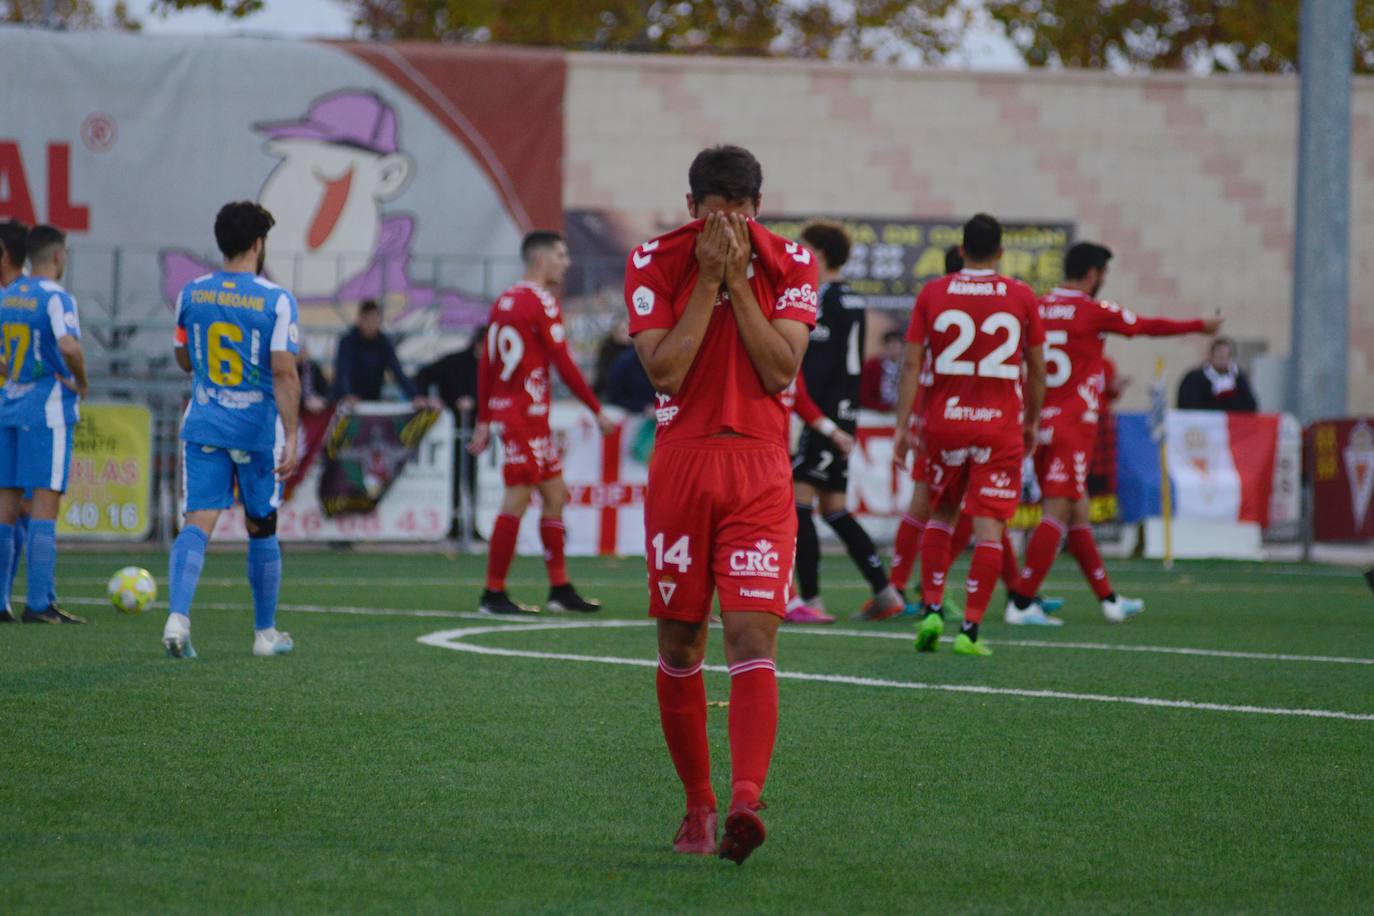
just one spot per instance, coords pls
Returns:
(1083, 257)
(1222, 342)
(239, 224)
(42, 240)
(14, 238)
(367, 307)
(536, 241)
(726, 171)
(890, 336)
(954, 261)
(830, 240)
(982, 237)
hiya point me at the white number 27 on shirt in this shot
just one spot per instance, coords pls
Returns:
(995, 364)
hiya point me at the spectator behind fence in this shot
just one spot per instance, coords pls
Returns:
(364, 357)
(314, 386)
(627, 384)
(613, 346)
(454, 377)
(878, 381)
(1217, 384)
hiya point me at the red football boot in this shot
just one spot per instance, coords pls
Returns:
(744, 832)
(697, 835)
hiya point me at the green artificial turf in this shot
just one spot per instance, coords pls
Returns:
(368, 772)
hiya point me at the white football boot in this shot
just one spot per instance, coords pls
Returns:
(176, 636)
(1033, 616)
(271, 642)
(1122, 609)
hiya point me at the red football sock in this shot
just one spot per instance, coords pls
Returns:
(1011, 573)
(753, 726)
(1040, 554)
(551, 532)
(500, 550)
(934, 562)
(963, 534)
(982, 579)
(1084, 549)
(905, 549)
(682, 710)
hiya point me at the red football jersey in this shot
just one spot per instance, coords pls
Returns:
(524, 336)
(976, 325)
(722, 390)
(1076, 329)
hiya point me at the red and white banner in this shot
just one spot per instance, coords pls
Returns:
(1234, 467)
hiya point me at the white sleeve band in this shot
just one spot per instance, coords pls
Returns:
(281, 330)
(826, 427)
(57, 317)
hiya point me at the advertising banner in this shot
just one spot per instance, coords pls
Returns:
(110, 485)
(415, 506)
(364, 453)
(1341, 463)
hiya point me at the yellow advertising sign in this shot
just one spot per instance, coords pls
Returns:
(109, 489)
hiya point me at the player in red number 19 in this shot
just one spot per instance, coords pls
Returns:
(720, 310)
(524, 336)
(979, 327)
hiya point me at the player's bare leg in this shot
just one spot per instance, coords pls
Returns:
(501, 550)
(553, 493)
(806, 606)
(183, 574)
(682, 712)
(751, 639)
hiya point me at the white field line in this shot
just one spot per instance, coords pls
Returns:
(455, 640)
(800, 631)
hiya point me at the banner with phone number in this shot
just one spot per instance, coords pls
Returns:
(109, 488)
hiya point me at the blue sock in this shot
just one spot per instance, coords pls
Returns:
(183, 568)
(21, 537)
(264, 577)
(42, 562)
(7, 574)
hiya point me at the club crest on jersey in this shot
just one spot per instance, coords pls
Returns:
(537, 387)
(666, 587)
(762, 560)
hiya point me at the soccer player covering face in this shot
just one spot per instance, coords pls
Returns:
(979, 328)
(830, 375)
(720, 310)
(524, 337)
(1076, 328)
(236, 334)
(46, 378)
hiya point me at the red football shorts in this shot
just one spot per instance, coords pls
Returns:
(984, 473)
(531, 456)
(719, 516)
(1062, 459)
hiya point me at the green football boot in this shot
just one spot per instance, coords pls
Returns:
(965, 646)
(928, 632)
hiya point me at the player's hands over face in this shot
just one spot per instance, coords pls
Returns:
(843, 441)
(606, 424)
(737, 266)
(286, 465)
(713, 247)
(481, 436)
(1212, 325)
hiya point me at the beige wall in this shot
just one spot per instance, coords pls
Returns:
(1189, 180)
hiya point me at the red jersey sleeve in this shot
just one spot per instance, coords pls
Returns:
(799, 288)
(804, 406)
(1114, 319)
(919, 329)
(549, 326)
(647, 296)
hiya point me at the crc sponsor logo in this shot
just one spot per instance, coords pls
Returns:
(799, 297)
(762, 560)
(643, 301)
(757, 593)
(956, 411)
(954, 457)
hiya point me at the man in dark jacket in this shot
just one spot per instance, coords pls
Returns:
(364, 357)
(1218, 384)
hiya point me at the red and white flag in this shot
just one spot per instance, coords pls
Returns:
(1222, 464)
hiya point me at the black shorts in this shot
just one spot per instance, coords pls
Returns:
(819, 463)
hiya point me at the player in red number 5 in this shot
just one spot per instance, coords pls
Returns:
(979, 327)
